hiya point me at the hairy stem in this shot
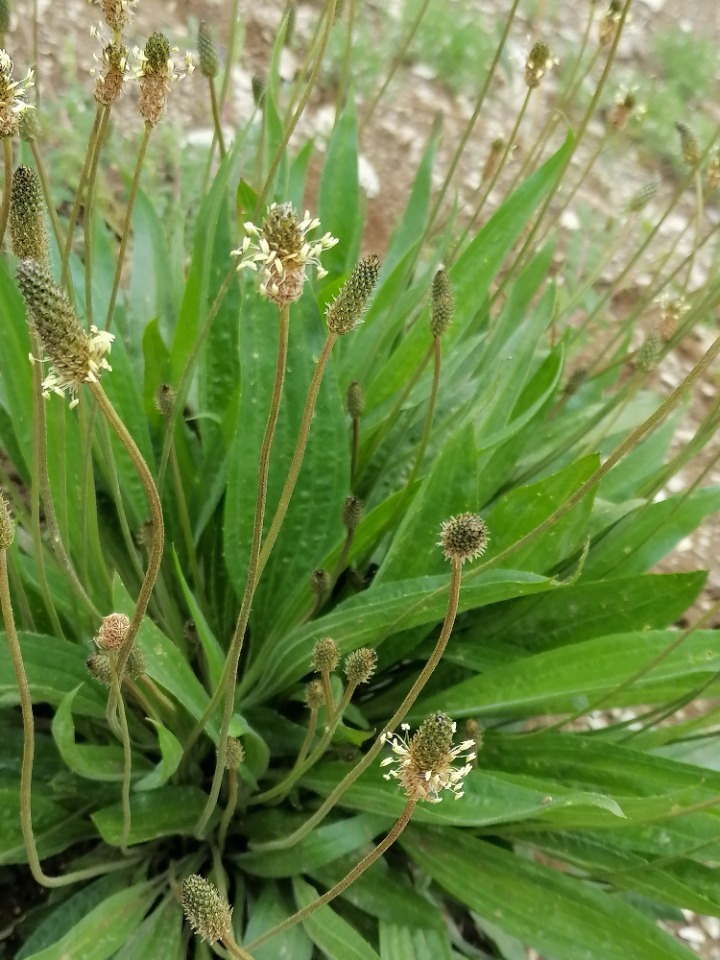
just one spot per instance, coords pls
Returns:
(7, 186)
(229, 809)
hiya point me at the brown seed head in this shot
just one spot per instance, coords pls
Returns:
(110, 80)
(165, 400)
(689, 146)
(463, 537)
(112, 632)
(116, 13)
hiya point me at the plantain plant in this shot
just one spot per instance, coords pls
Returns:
(328, 574)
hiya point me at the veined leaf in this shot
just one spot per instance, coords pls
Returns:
(333, 935)
(269, 910)
(159, 936)
(408, 943)
(167, 812)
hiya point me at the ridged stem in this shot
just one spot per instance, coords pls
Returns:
(226, 687)
(127, 755)
(7, 186)
(399, 715)
(229, 809)
(347, 880)
(126, 227)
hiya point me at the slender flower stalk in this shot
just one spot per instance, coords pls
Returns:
(234, 757)
(463, 538)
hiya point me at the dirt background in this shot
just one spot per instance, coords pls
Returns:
(392, 145)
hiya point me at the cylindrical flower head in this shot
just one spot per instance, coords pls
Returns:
(320, 583)
(112, 632)
(4, 16)
(424, 763)
(116, 13)
(463, 537)
(76, 358)
(207, 50)
(442, 304)
(360, 665)
(29, 126)
(12, 92)
(355, 400)
(352, 512)
(155, 75)
(207, 912)
(109, 82)
(649, 353)
(644, 196)
(314, 695)
(538, 63)
(7, 527)
(689, 146)
(347, 309)
(136, 666)
(234, 754)
(325, 655)
(28, 236)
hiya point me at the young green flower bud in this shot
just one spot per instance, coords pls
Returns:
(98, 666)
(314, 695)
(320, 583)
(206, 911)
(463, 537)
(29, 126)
(165, 400)
(234, 754)
(75, 357)
(352, 512)
(644, 196)
(7, 527)
(442, 304)
(649, 353)
(4, 16)
(28, 236)
(360, 665)
(112, 632)
(689, 146)
(538, 63)
(325, 655)
(207, 50)
(346, 310)
(355, 400)
(258, 90)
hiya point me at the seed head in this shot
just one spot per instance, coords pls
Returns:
(234, 754)
(314, 695)
(136, 664)
(346, 310)
(539, 62)
(281, 251)
(689, 146)
(207, 50)
(360, 665)
(355, 400)
(442, 304)
(352, 512)
(28, 236)
(112, 632)
(7, 527)
(4, 16)
(116, 13)
(98, 666)
(644, 195)
(206, 911)
(320, 583)
(29, 126)
(325, 655)
(424, 763)
(76, 358)
(626, 104)
(155, 73)
(649, 353)
(12, 96)
(165, 400)
(672, 310)
(112, 70)
(463, 537)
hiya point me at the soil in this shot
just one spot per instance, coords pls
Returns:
(392, 144)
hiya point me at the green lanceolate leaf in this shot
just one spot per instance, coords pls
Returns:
(167, 812)
(555, 914)
(170, 756)
(407, 943)
(267, 911)
(334, 936)
(339, 193)
(54, 828)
